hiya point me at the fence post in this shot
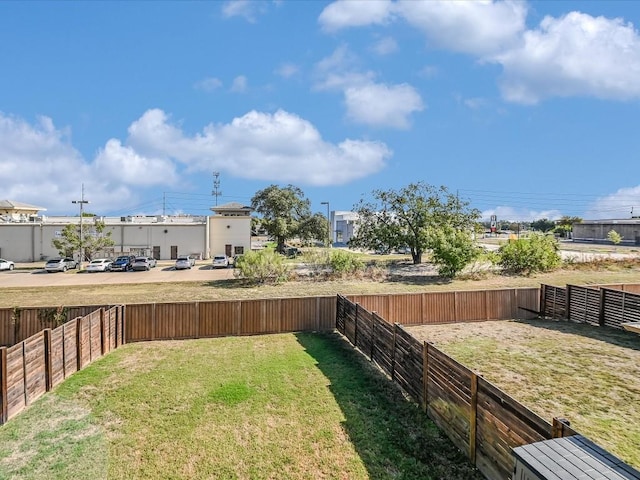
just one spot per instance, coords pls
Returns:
(197, 320)
(373, 333)
(559, 424)
(425, 376)
(4, 408)
(542, 307)
(601, 309)
(393, 353)
(48, 367)
(78, 343)
(567, 307)
(103, 336)
(355, 327)
(473, 416)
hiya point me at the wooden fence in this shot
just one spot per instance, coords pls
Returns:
(18, 324)
(448, 307)
(599, 305)
(479, 418)
(163, 321)
(37, 364)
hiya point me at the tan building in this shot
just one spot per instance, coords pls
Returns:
(230, 229)
(28, 237)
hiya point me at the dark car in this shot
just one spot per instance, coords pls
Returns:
(60, 264)
(123, 263)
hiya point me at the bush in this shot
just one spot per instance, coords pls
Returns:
(264, 266)
(452, 250)
(538, 253)
(345, 263)
(333, 262)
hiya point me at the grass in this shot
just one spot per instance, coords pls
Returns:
(278, 406)
(589, 375)
(412, 279)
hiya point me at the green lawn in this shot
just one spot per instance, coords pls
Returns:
(589, 375)
(276, 406)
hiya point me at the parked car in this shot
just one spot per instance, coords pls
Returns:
(144, 263)
(184, 262)
(60, 265)
(235, 259)
(123, 263)
(99, 265)
(6, 264)
(220, 261)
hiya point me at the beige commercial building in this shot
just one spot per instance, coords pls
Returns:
(26, 236)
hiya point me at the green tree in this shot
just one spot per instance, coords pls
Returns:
(419, 216)
(564, 226)
(538, 253)
(543, 225)
(452, 250)
(614, 237)
(286, 214)
(94, 239)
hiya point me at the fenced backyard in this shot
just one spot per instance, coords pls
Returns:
(478, 417)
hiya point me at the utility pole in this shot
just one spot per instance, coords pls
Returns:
(216, 186)
(82, 201)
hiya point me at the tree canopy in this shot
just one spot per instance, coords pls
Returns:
(543, 225)
(94, 239)
(421, 217)
(286, 214)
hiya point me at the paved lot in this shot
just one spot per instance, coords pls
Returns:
(162, 273)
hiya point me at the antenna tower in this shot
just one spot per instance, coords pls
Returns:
(216, 186)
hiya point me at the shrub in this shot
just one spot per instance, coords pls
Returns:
(264, 266)
(334, 262)
(452, 250)
(614, 237)
(538, 253)
(344, 263)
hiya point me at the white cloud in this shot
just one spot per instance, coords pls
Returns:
(382, 105)
(385, 46)
(287, 70)
(247, 9)
(429, 71)
(367, 101)
(619, 204)
(209, 84)
(240, 84)
(116, 161)
(511, 214)
(573, 55)
(477, 27)
(355, 13)
(46, 170)
(275, 147)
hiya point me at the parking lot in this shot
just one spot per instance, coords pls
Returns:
(27, 275)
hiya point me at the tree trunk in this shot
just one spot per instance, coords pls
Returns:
(280, 246)
(416, 256)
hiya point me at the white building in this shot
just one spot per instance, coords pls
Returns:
(27, 237)
(343, 226)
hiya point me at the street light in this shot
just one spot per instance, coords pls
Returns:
(82, 201)
(328, 224)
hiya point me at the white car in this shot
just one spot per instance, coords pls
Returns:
(185, 261)
(99, 265)
(220, 261)
(6, 264)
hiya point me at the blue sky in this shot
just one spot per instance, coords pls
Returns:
(526, 109)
